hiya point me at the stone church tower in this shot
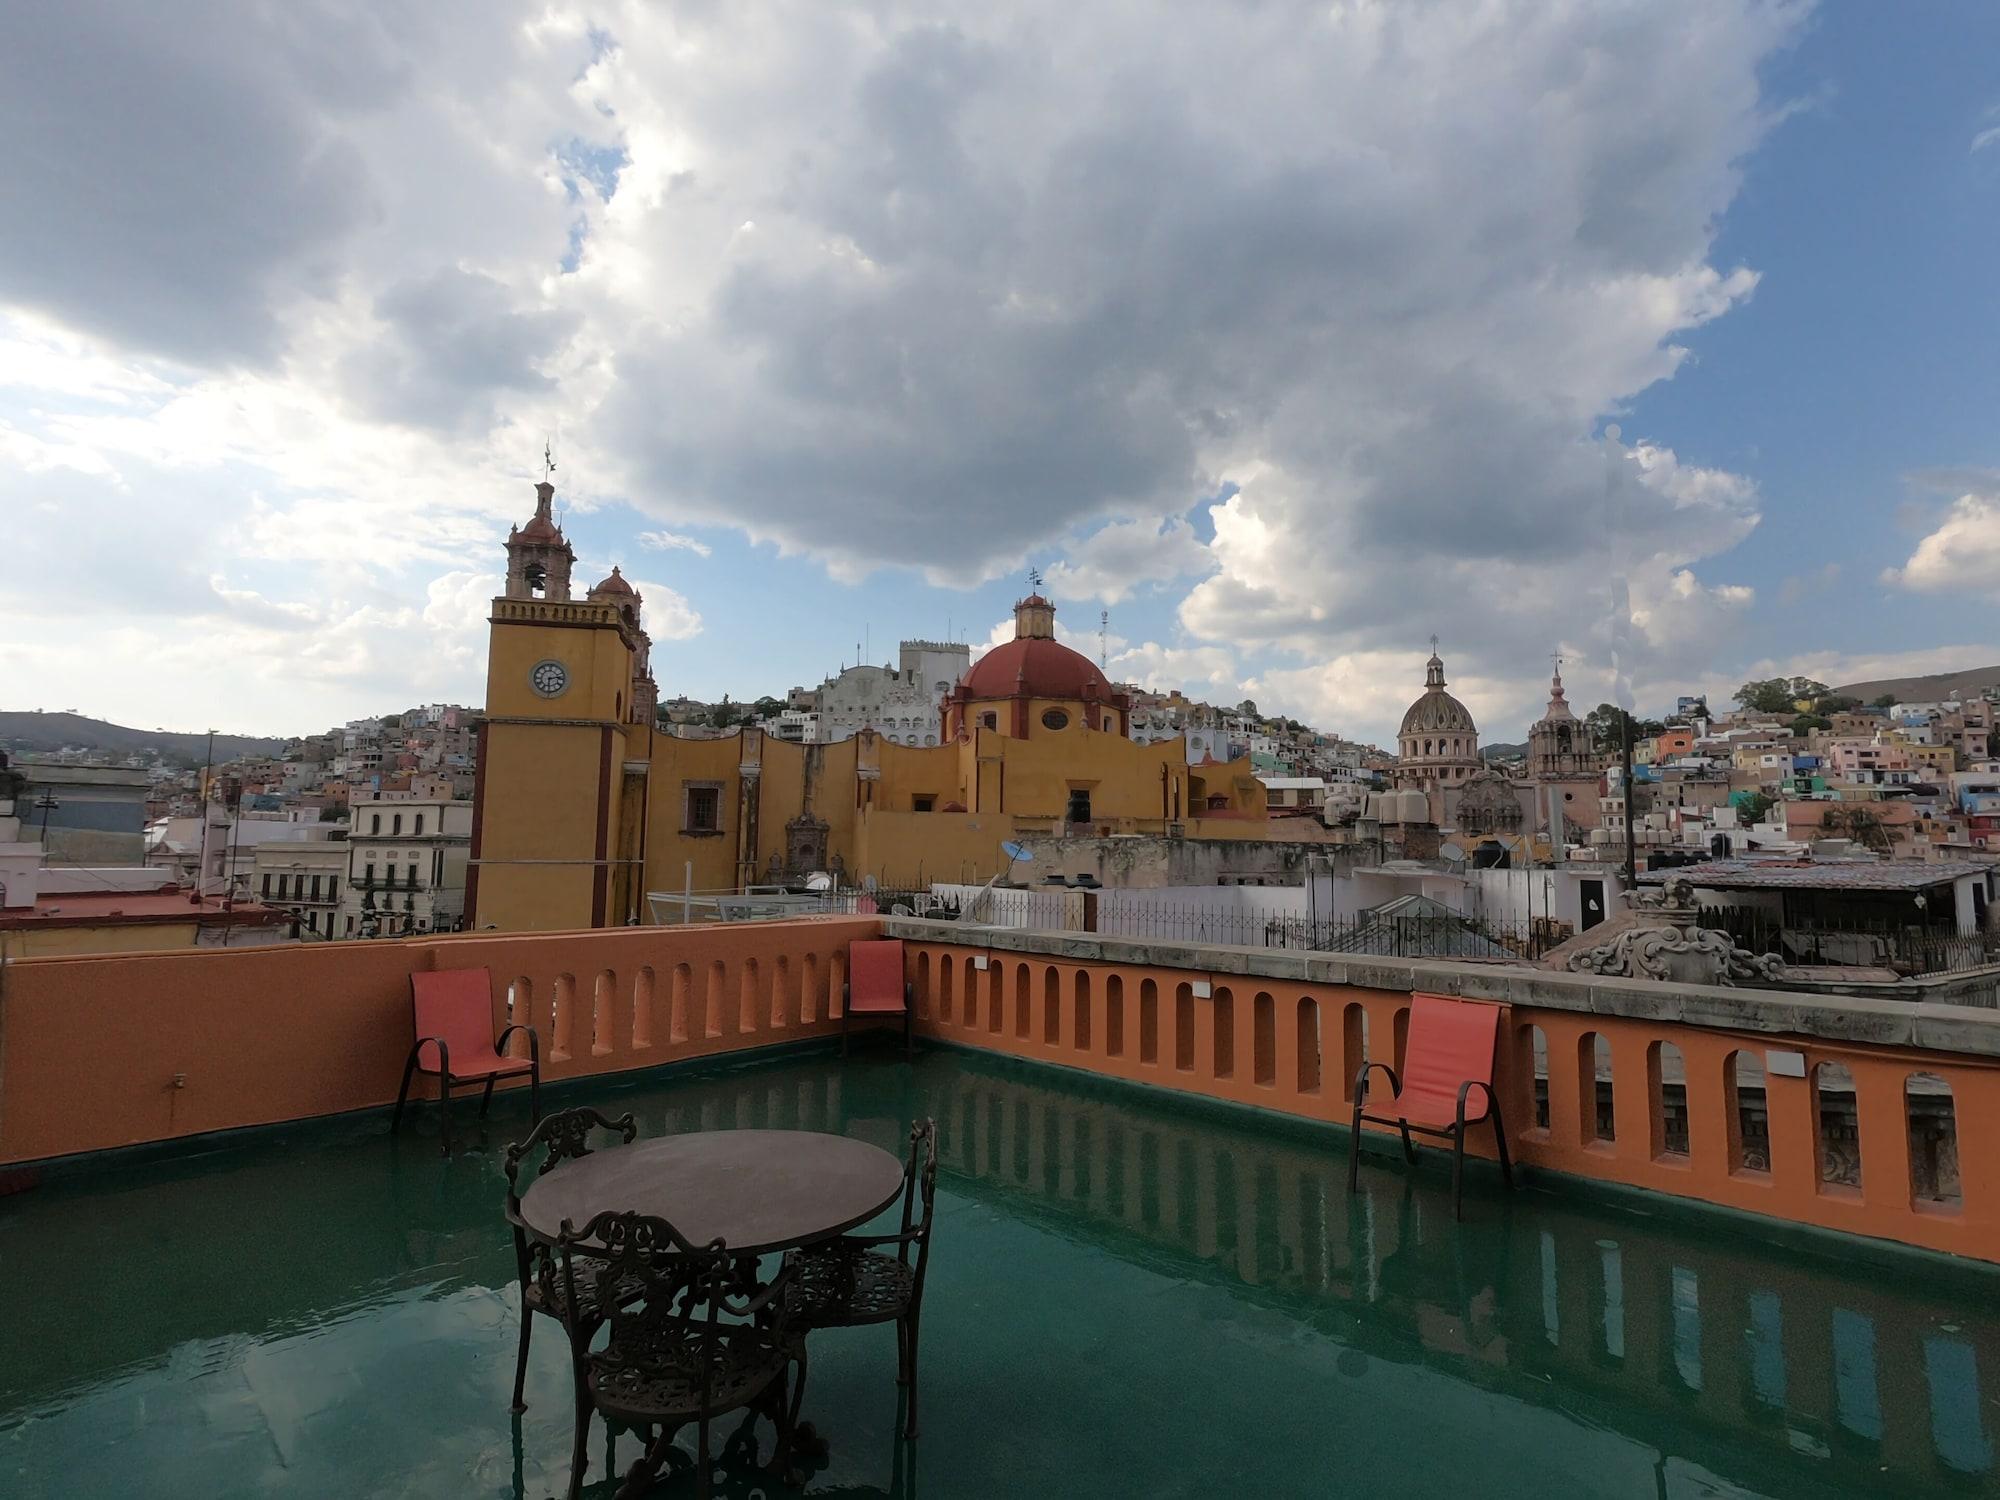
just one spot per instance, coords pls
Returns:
(538, 554)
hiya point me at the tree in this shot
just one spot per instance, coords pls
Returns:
(1858, 823)
(1765, 695)
(1885, 700)
(1751, 807)
(1835, 703)
(1605, 722)
(1248, 709)
(1805, 724)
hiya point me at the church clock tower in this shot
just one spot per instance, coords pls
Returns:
(558, 824)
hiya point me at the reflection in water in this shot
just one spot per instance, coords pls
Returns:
(1763, 1349)
(1103, 1253)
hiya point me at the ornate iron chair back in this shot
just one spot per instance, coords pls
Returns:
(919, 1189)
(687, 1291)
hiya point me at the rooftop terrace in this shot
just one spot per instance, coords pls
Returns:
(1131, 1296)
(1148, 1280)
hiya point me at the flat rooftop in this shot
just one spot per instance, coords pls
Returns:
(1129, 1296)
(1818, 875)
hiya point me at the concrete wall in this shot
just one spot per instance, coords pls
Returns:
(1288, 1031)
(109, 1051)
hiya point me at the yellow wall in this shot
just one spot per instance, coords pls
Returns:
(46, 941)
(542, 761)
(541, 764)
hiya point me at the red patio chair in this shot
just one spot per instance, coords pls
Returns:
(1450, 1053)
(453, 1009)
(876, 987)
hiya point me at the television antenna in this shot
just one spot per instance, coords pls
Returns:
(1104, 640)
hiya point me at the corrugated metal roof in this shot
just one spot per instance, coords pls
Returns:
(1822, 875)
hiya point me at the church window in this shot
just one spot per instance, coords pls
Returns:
(922, 804)
(702, 807)
(930, 739)
(990, 720)
(1079, 805)
(1055, 718)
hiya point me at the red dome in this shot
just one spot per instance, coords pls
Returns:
(1038, 667)
(615, 584)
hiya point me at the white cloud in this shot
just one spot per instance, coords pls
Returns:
(1209, 673)
(1000, 296)
(1961, 555)
(666, 614)
(1125, 556)
(670, 541)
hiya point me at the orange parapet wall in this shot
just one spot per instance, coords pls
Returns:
(1612, 1115)
(115, 1050)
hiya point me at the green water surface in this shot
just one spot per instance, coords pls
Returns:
(1129, 1297)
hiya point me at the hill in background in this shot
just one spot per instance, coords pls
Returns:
(51, 732)
(1925, 689)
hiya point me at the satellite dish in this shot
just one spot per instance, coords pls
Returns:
(1015, 852)
(1451, 851)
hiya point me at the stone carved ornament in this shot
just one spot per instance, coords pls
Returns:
(1677, 948)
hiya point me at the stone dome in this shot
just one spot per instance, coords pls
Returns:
(615, 584)
(1437, 712)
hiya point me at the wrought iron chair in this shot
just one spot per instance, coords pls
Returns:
(564, 1137)
(671, 1359)
(1448, 1056)
(852, 1281)
(453, 1010)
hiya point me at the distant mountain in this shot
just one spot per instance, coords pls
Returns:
(39, 731)
(1503, 751)
(1925, 689)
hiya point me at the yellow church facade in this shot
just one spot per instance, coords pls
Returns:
(582, 805)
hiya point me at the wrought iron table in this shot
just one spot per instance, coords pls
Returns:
(757, 1191)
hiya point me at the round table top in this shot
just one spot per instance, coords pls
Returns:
(755, 1190)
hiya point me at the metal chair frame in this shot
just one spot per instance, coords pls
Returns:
(686, 1291)
(566, 1135)
(1455, 1132)
(919, 1185)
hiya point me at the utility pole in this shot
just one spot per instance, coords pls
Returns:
(1631, 802)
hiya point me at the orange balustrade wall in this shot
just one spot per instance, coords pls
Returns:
(1295, 1047)
(114, 1050)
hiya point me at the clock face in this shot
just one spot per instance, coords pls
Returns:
(548, 678)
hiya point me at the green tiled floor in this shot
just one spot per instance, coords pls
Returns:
(1128, 1297)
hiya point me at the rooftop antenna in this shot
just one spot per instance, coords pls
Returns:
(1104, 640)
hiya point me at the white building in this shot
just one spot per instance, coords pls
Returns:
(406, 864)
(903, 703)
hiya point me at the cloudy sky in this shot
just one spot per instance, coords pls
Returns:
(1292, 335)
